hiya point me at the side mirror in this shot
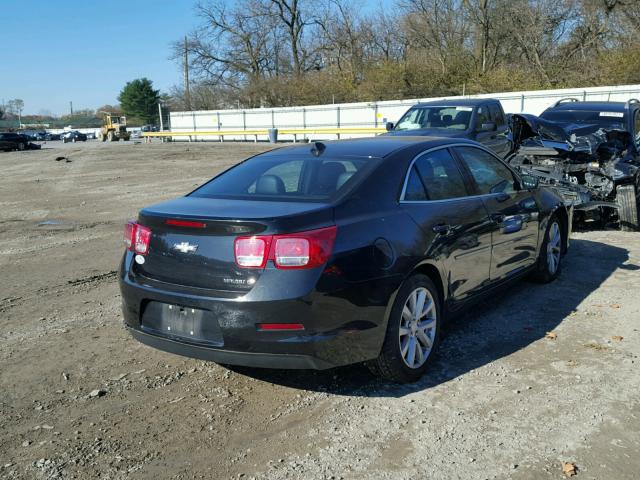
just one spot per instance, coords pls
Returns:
(529, 182)
(488, 127)
(389, 126)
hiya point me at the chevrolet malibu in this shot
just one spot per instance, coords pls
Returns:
(326, 254)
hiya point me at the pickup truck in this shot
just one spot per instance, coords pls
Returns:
(479, 119)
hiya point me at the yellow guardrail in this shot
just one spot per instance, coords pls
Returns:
(285, 131)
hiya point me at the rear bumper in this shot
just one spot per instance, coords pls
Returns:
(337, 330)
(231, 357)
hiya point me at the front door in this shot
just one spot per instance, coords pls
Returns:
(456, 226)
(513, 211)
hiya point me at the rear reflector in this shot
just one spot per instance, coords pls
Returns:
(185, 223)
(280, 326)
(137, 237)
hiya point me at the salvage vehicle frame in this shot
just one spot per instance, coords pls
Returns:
(595, 168)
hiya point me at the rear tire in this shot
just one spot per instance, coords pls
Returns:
(627, 198)
(550, 259)
(21, 146)
(110, 136)
(413, 332)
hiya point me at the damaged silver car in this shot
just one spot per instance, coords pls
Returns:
(588, 151)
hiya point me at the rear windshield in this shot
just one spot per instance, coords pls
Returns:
(438, 118)
(606, 119)
(289, 177)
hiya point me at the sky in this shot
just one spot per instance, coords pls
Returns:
(54, 52)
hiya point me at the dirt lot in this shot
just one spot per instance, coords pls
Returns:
(502, 400)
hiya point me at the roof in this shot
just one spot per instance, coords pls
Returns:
(379, 146)
(592, 106)
(461, 102)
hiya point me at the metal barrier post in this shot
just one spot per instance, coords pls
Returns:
(244, 122)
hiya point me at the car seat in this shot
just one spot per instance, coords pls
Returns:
(327, 178)
(270, 185)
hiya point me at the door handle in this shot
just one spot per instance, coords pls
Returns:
(441, 228)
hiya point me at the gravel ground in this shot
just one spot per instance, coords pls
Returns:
(80, 399)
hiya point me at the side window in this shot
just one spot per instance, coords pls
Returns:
(637, 128)
(496, 114)
(489, 173)
(483, 116)
(435, 176)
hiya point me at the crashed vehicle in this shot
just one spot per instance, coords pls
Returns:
(588, 151)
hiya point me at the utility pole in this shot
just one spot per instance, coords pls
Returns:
(187, 93)
(71, 107)
(160, 115)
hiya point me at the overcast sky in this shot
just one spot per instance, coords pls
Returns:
(54, 52)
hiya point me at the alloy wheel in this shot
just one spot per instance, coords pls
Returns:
(417, 328)
(553, 248)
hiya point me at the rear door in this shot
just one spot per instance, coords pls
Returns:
(456, 225)
(514, 212)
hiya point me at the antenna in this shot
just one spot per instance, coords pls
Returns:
(318, 148)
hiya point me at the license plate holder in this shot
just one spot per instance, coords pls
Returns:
(182, 322)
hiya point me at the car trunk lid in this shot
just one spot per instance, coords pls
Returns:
(192, 241)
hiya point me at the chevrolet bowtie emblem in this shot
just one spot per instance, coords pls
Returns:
(185, 247)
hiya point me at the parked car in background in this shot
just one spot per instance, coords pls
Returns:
(16, 141)
(480, 119)
(35, 135)
(590, 152)
(73, 136)
(52, 136)
(91, 136)
(326, 254)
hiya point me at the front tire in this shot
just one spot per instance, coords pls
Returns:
(550, 258)
(21, 146)
(413, 332)
(627, 198)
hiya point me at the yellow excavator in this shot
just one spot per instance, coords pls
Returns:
(114, 128)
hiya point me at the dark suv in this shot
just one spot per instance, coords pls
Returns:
(590, 152)
(479, 119)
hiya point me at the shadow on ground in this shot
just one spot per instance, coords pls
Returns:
(511, 321)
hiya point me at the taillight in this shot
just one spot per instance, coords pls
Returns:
(252, 251)
(137, 237)
(129, 232)
(185, 223)
(304, 249)
(296, 250)
(142, 239)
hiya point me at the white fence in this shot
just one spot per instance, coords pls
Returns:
(366, 114)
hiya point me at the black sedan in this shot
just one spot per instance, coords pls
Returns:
(14, 141)
(334, 253)
(73, 136)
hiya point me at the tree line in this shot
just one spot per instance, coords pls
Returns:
(253, 53)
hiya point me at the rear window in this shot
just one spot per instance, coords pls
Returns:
(289, 177)
(606, 119)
